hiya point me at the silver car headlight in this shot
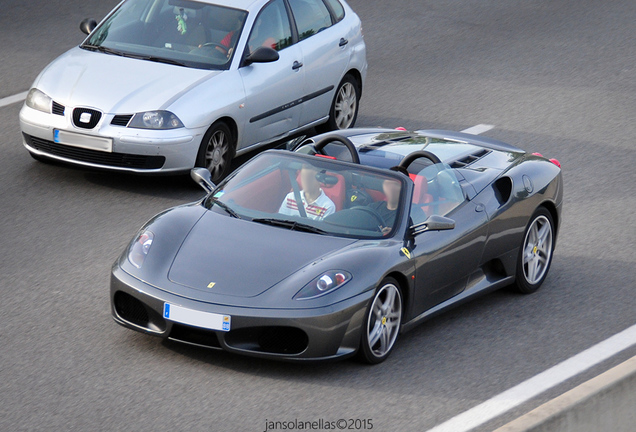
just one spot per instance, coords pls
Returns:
(38, 100)
(155, 120)
(140, 248)
(323, 284)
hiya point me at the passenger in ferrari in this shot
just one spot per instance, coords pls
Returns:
(317, 205)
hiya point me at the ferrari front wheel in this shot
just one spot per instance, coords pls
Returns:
(382, 323)
(535, 255)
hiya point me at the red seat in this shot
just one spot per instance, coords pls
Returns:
(420, 190)
(336, 192)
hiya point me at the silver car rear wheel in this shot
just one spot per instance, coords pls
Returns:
(344, 108)
(382, 324)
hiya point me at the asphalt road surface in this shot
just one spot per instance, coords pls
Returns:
(553, 76)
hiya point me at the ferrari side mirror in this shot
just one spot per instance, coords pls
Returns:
(433, 223)
(88, 25)
(203, 178)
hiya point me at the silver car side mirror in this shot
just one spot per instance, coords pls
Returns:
(203, 178)
(88, 25)
(433, 223)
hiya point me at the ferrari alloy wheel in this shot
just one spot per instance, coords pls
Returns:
(344, 108)
(382, 323)
(535, 255)
(217, 151)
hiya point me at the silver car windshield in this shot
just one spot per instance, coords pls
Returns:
(180, 32)
(313, 194)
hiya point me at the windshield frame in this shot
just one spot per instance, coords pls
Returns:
(153, 54)
(401, 217)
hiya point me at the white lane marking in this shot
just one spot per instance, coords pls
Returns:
(478, 129)
(536, 385)
(13, 99)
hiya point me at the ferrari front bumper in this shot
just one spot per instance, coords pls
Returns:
(324, 333)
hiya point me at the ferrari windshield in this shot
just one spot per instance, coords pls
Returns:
(180, 32)
(313, 194)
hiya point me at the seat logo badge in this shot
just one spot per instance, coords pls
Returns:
(85, 117)
(211, 284)
(406, 252)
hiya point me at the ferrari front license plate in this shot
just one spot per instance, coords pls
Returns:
(83, 141)
(196, 318)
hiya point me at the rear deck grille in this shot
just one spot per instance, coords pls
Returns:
(118, 160)
(465, 161)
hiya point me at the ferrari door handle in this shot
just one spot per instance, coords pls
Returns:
(297, 65)
(343, 42)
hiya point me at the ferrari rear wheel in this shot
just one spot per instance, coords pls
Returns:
(382, 323)
(535, 255)
(216, 151)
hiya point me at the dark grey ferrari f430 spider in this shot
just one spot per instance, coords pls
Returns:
(339, 246)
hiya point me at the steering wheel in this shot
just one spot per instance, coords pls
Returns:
(408, 160)
(223, 50)
(328, 139)
(373, 213)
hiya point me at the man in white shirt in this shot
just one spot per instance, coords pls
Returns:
(317, 205)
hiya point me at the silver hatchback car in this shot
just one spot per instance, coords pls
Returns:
(161, 86)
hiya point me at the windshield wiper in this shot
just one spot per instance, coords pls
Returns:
(226, 207)
(162, 60)
(292, 225)
(103, 49)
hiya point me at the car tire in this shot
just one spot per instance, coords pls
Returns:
(535, 254)
(344, 107)
(382, 321)
(217, 151)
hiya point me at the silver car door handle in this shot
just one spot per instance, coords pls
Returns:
(343, 42)
(297, 65)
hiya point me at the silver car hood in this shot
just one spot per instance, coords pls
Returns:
(226, 256)
(115, 84)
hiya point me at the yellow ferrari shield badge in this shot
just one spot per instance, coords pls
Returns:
(406, 252)
(211, 284)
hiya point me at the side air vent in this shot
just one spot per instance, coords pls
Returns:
(503, 189)
(58, 109)
(465, 161)
(121, 120)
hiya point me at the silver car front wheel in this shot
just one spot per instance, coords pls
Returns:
(217, 151)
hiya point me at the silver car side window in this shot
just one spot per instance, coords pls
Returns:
(271, 28)
(311, 16)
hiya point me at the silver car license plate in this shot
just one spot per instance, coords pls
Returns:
(83, 141)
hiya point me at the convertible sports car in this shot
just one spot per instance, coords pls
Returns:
(166, 85)
(336, 248)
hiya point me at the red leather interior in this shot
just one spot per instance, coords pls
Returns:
(420, 190)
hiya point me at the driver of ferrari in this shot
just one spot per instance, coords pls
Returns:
(317, 205)
(388, 209)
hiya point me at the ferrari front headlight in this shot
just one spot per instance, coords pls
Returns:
(38, 100)
(140, 248)
(159, 120)
(323, 284)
